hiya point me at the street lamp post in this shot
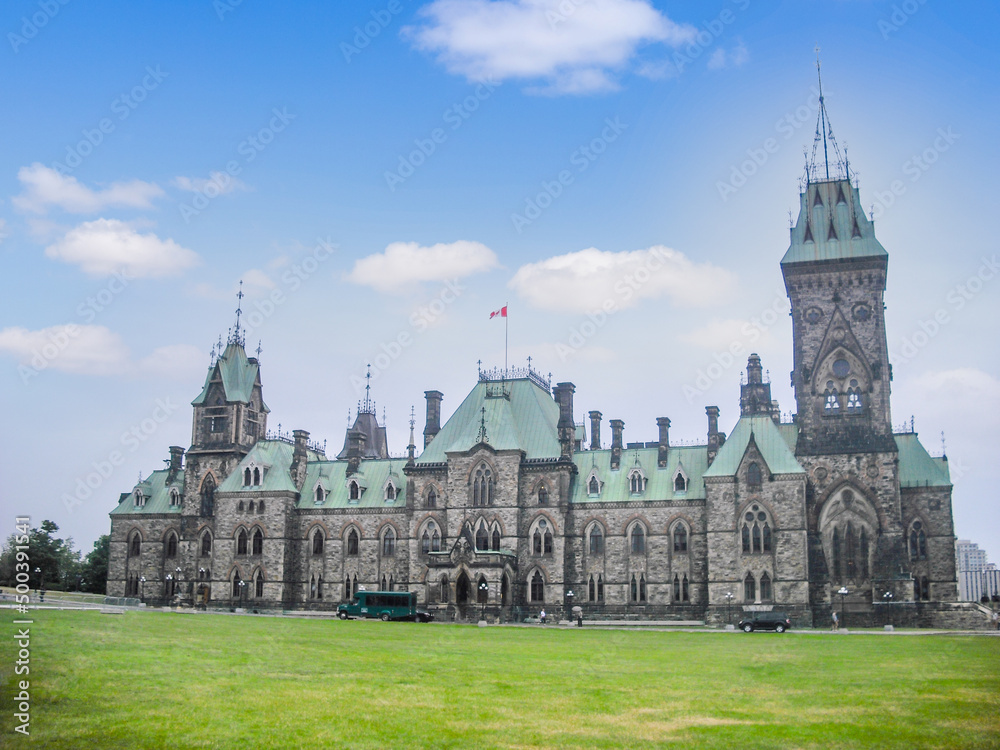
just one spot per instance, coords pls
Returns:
(729, 604)
(169, 587)
(39, 572)
(243, 585)
(887, 598)
(843, 612)
(569, 604)
(484, 593)
(142, 587)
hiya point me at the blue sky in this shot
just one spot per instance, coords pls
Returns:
(395, 170)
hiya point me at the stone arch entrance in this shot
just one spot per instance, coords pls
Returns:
(462, 588)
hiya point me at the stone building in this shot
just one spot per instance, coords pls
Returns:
(510, 505)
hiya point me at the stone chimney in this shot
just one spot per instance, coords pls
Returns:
(299, 457)
(617, 428)
(664, 443)
(595, 430)
(713, 432)
(355, 450)
(563, 394)
(433, 424)
(176, 462)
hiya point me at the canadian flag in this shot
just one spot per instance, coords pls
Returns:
(501, 313)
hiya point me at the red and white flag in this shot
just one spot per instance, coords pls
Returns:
(501, 313)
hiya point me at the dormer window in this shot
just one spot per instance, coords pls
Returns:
(354, 491)
(256, 476)
(593, 486)
(247, 477)
(680, 482)
(390, 492)
(140, 499)
(636, 482)
(320, 495)
(175, 498)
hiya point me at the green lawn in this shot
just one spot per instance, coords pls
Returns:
(160, 679)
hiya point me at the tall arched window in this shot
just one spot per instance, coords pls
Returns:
(320, 495)
(435, 541)
(537, 588)
(206, 544)
(836, 555)
(680, 538)
(482, 539)
(354, 491)
(633, 589)
(850, 552)
(258, 585)
(347, 587)
(591, 589)
(239, 506)
(756, 533)
(685, 596)
(389, 543)
(642, 588)
(600, 588)
(247, 477)
(594, 487)
(677, 587)
(135, 546)
(482, 486)
(638, 539)
(495, 541)
(754, 475)
(172, 545)
(425, 543)
(352, 542)
(745, 534)
(390, 491)
(749, 588)
(208, 497)
(256, 477)
(241, 543)
(680, 483)
(831, 403)
(596, 540)
(635, 483)
(918, 542)
(543, 495)
(445, 589)
(547, 543)
(236, 584)
(536, 543)
(258, 542)
(318, 542)
(432, 498)
(863, 553)
(855, 405)
(765, 587)
(354, 585)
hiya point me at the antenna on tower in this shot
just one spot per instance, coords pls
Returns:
(824, 133)
(235, 337)
(944, 453)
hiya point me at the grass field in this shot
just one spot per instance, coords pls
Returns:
(160, 679)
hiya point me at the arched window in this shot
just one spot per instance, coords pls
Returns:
(591, 589)
(240, 506)
(685, 596)
(600, 588)
(260, 507)
(596, 540)
(677, 587)
(547, 543)
(482, 486)
(208, 497)
(850, 552)
(385, 584)
(445, 589)
(536, 543)
(638, 539)
(425, 542)
(390, 491)
(746, 539)
(594, 487)
(831, 404)
(258, 542)
(482, 539)
(918, 542)
(247, 477)
(389, 543)
(140, 499)
(135, 546)
(236, 584)
(543, 495)
(642, 588)
(756, 534)
(319, 587)
(495, 541)
(241, 543)
(432, 498)
(753, 474)
(320, 496)
(749, 588)
(855, 405)
(925, 589)
(767, 537)
(258, 585)
(175, 498)
(680, 483)
(347, 588)
(863, 553)
(354, 491)
(836, 554)
(256, 476)
(680, 538)
(354, 585)
(206, 544)
(318, 542)
(352, 542)
(633, 589)
(635, 483)
(765, 587)
(172, 545)
(435, 541)
(537, 588)
(251, 506)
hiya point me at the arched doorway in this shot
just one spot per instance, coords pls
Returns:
(462, 586)
(504, 590)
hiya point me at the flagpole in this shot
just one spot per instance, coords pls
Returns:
(505, 324)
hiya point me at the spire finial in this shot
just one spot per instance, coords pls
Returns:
(482, 438)
(824, 133)
(234, 336)
(944, 453)
(368, 390)
(258, 350)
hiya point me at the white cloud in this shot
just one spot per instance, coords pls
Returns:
(720, 335)
(106, 245)
(571, 46)
(177, 362)
(88, 350)
(46, 187)
(217, 183)
(584, 281)
(405, 264)
(3, 230)
(734, 58)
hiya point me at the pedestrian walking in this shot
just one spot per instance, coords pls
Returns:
(835, 624)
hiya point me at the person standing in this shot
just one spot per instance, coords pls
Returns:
(542, 617)
(836, 623)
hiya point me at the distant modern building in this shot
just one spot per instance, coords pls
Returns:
(509, 506)
(976, 575)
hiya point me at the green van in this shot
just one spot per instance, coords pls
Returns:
(385, 605)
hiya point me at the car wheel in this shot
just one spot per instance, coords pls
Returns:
(343, 615)
(779, 629)
(385, 617)
(748, 628)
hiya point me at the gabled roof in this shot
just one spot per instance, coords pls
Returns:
(238, 374)
(373, 475)
(832, 225)
(274, 457)
(770, 442)
(525, 421)
(157, 492)
(615, 488)
(917, 468)
(375, 440)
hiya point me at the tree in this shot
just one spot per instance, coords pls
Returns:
(55, 559)
(94, 569)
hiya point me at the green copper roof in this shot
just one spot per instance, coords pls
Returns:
(372, 478)
(917, 468)
(616, 487)
(770, 441)
(237, 373)
(832, 225)
(274, 459)
(525, 421)
(157, 494)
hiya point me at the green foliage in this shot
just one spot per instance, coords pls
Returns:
(94, 570)
(58, 563)
(159, 679)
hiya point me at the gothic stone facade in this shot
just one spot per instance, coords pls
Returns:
(510, 507)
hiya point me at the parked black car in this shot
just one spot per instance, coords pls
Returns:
(776, 621)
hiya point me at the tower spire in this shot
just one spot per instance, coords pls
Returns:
(236, 333)
(824, 134)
